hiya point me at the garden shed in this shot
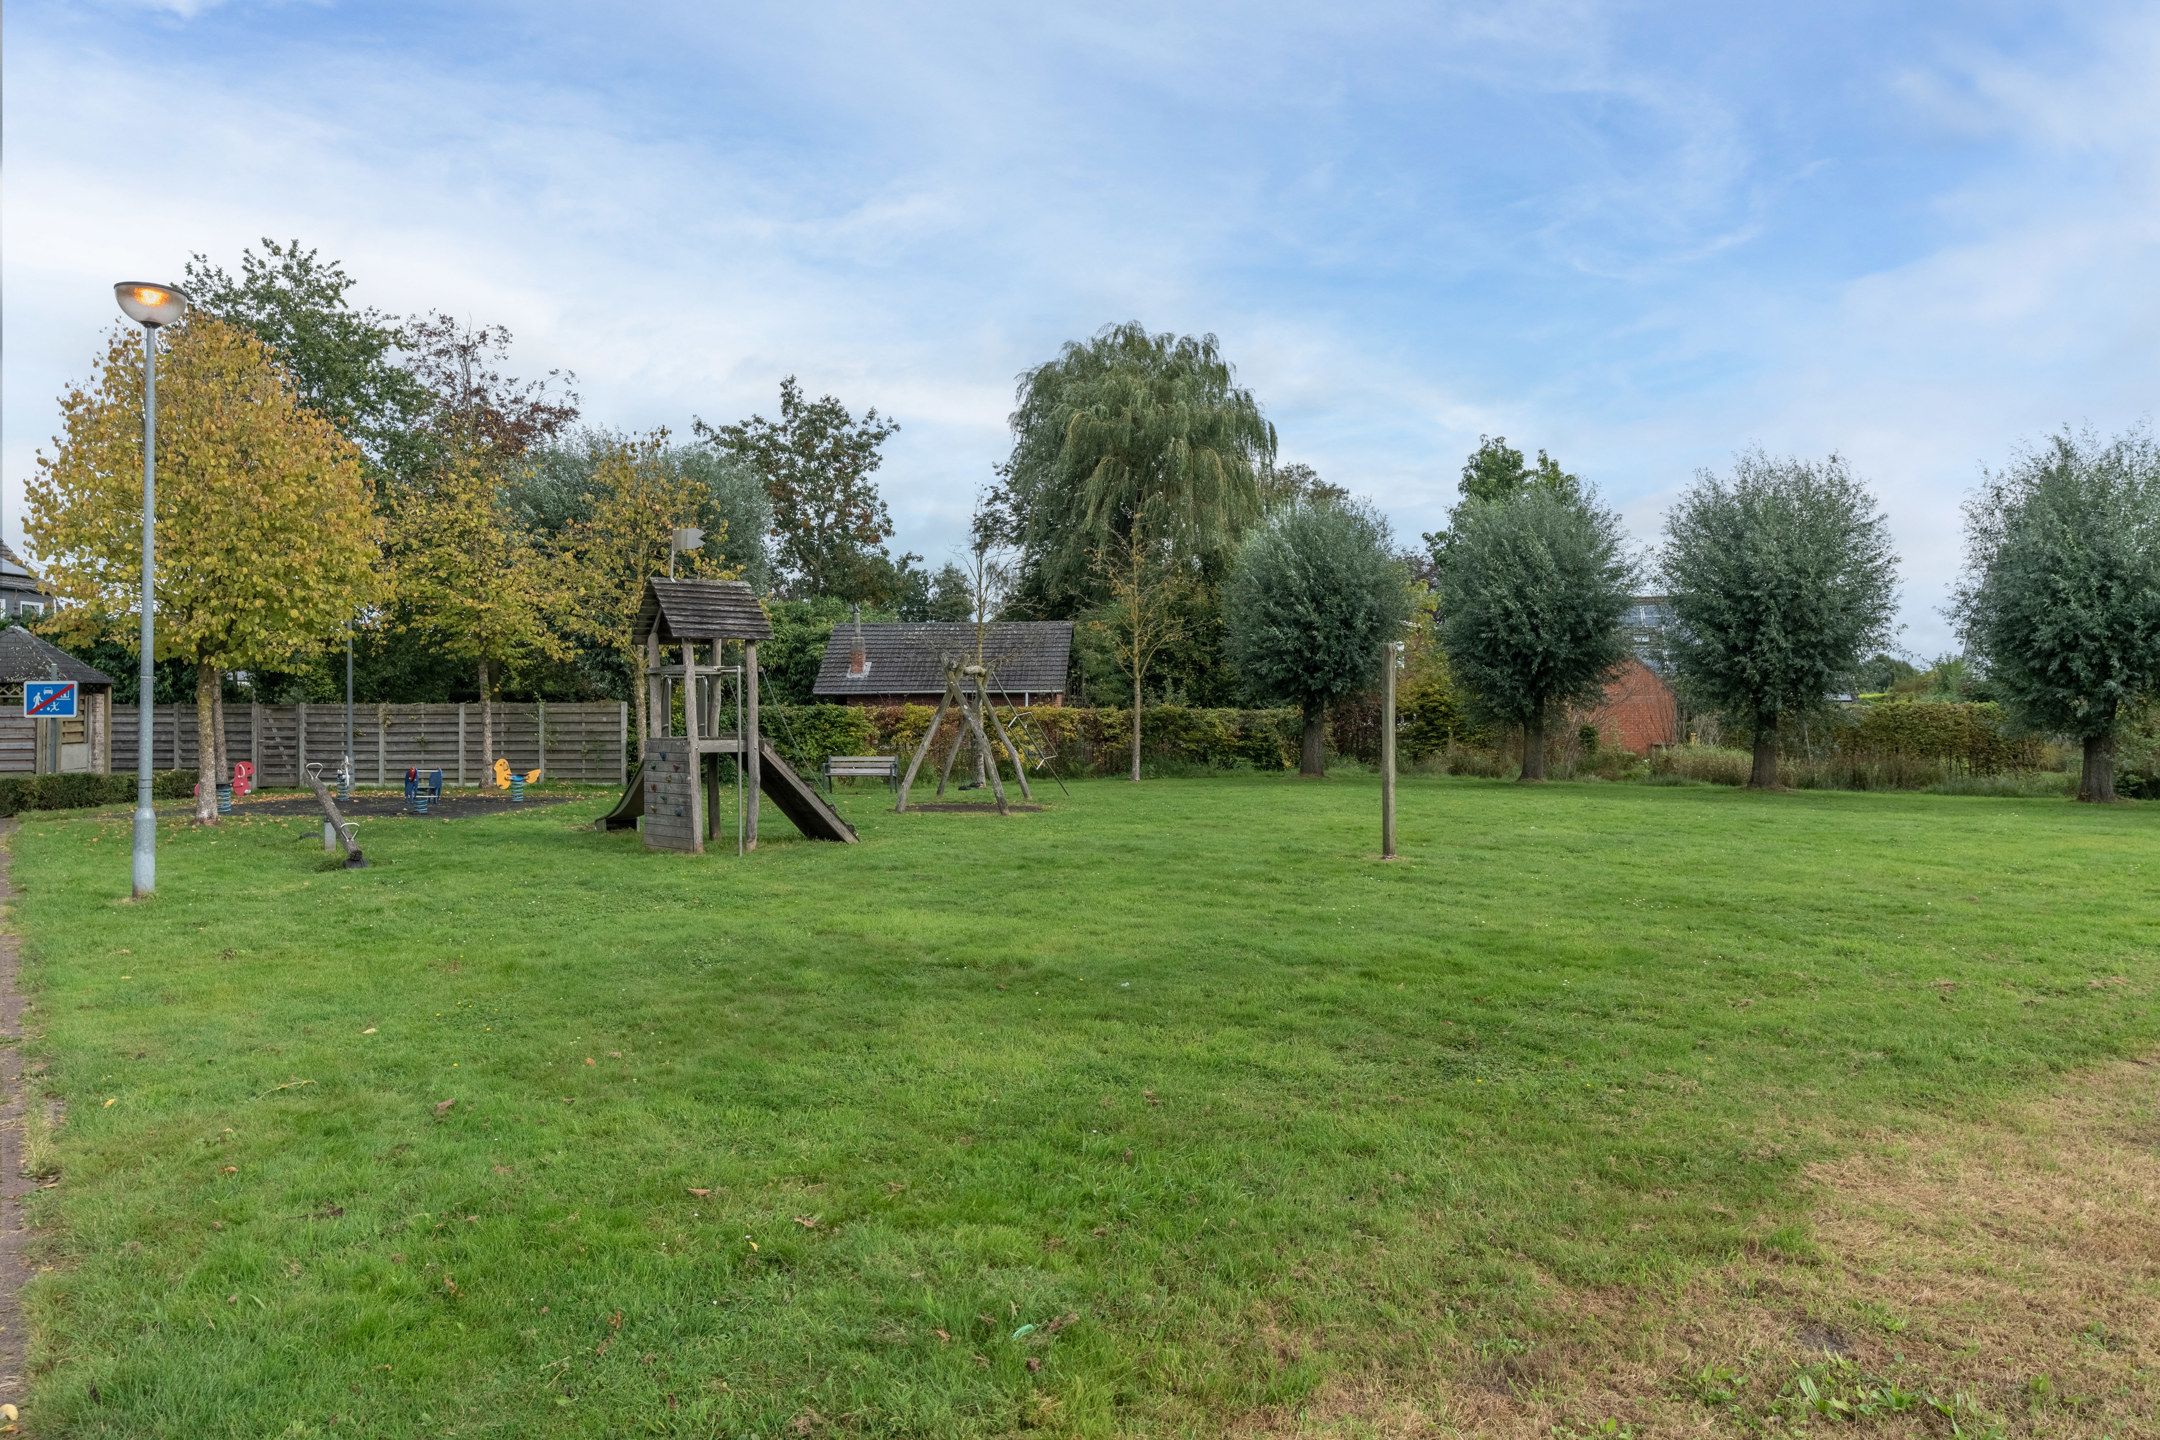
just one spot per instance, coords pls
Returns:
(52, 747)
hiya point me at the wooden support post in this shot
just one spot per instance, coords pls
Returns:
(1019, 764)
(922, 749)
(622, 743)
(382, 744)
(960, 742)
(982, 741)
(540, 731)
(1388, 653)
(690, 718)
(461, 745)
(299, 741)
(752, 743)
(255, 724)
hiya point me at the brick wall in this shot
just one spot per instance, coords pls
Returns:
(1638, 712)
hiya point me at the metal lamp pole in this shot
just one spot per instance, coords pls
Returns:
(151, 306)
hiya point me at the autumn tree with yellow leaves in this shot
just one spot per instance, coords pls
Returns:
(267, 542)
(467, 576)
(640, 495)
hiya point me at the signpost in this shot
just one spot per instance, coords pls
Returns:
(1390, 657)
(50, 699)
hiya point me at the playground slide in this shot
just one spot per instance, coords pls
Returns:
(800, 802)
(626, 811)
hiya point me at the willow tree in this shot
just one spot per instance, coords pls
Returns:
(2061, 599)
(1314, 593)
(1123, 424)
(266, 540)
(1780, 579)
(1530, 606)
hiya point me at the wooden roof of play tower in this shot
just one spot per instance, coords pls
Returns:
(700, 610)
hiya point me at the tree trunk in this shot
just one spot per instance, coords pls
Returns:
(638, 705)
(1136, 729)
(223, 763)
(1312, 755)
(1533, 749)
(2096, 784)
(1763, 776)
(206, 783)
(487, 725)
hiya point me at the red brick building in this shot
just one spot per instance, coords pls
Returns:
(1639, 711)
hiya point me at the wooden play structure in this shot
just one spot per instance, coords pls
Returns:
(675, 795)
(966, 690)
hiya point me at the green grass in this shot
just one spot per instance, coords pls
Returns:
(1184, 1063)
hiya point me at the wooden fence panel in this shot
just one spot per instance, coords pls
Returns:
(575, 742)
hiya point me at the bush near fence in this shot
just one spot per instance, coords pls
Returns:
(78, 791)
(1083, 740)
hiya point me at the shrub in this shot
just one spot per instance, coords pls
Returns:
(19, 793)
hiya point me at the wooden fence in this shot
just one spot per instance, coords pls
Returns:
(588, 741)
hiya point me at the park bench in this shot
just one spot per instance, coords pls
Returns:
(861, 767)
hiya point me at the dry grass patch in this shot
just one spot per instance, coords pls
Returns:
(1987, 1279)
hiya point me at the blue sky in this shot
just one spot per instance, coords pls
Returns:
(1639, 236)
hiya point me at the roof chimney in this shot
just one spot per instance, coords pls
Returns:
(858, 663)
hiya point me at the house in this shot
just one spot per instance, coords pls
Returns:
(22, 596)
(904, 664)
(47, 747)
(1639, 710)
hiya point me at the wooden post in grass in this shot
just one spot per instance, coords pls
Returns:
(1390, 654)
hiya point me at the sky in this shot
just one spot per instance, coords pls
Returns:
(1638, 236)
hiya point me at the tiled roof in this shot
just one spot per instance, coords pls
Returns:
(24, 656)
(1022, 655)
(701, 610)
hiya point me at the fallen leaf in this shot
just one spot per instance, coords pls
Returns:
(942, 1337)
(451, 1286)
(808, 1222)
(232, 1169)
(982, 1362)
(370, 1029)
(590, 1061)
(614, 1321)
(109, 1101)
(1060, 1323)
(1034, 1363)
(698, 1191)
(442, 1107)
(614, 1054)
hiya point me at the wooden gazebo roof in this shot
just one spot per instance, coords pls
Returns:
(700, 610)
(24, 656)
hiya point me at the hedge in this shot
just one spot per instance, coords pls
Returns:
(1080, 740)
(1967, 736)
(80, 791)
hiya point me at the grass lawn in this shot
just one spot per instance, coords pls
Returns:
(1155, 1112)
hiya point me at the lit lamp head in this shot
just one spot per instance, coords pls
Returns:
(150, 304)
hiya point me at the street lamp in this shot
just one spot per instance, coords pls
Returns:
(152, 307)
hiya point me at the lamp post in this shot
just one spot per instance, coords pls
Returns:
(152, 307)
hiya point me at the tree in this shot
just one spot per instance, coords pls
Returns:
(555, 490)
(475, 405)
(1282, 486)
(830, 524)
(343, 362)
(637, 502)
(950, 596)
(469, 577)
(1123, 424)
(1530, 606)
(266, 540)
(1142, 615)
(1882, 672)
(1780, 579)
(2061, 597)
(1313, 594)
(1494, 471)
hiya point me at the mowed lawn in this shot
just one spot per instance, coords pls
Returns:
(1062, 1121)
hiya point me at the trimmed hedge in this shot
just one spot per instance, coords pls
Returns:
(1962, 735)
(81, 791)
(1083, 741)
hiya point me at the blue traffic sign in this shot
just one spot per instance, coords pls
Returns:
(49, 699)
